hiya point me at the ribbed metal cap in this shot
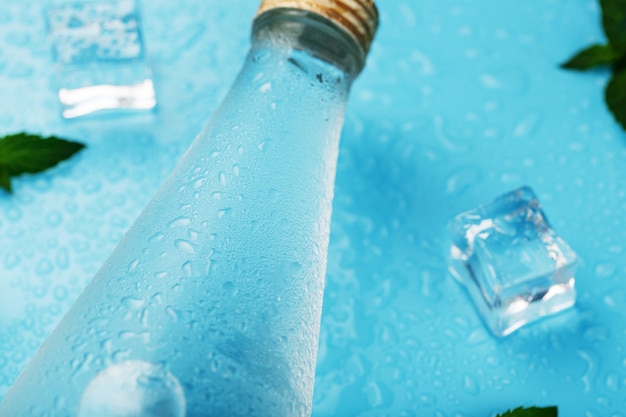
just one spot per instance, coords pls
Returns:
(358, 18)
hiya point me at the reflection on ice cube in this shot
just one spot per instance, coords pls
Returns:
(99, 57)
(513, 264)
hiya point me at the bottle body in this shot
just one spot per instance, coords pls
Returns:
(211, 303)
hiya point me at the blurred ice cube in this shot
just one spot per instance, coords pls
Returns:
(99, 57)
(513, 264)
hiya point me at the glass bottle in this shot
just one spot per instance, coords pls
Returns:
(211, 303)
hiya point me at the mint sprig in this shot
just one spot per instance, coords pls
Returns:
(531, 412)
(611, 54)
(24, 153)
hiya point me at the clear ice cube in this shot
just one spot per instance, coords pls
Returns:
(513, 264)
(99, 57)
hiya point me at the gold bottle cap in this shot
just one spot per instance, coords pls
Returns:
(358, 18)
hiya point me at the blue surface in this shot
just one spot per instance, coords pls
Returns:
(461, 101)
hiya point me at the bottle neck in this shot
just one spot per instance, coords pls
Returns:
(307, 31)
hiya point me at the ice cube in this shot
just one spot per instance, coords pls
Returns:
(512, 263)
(99, 57)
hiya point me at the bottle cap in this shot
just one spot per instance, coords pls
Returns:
(358, 18)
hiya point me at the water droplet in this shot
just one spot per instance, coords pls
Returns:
(236, 170)
(13, 214)
(224, 212)
(470, 385)
(185, 246)
(198, 183)
(158, 236)
(63, 260)
(613, 382)
(44, 267)
(605, 269)
(264, 88)
(160, 275)
(590, 372)
(11, 260)
(527, 125)
(272, 195)
(169, 310)
(187, 271)
(54, 218)
(132, 303)
(133, 265)
(461, 180)
(60, 293)
(230, 288)
(179, 222)
(133, 388)
(221, 177)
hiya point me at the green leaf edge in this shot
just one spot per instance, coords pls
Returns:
(551, 411)
(615, 96)
(6, 172)
(614, 22)
(591, 57)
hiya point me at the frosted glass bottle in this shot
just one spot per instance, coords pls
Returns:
(211, 304)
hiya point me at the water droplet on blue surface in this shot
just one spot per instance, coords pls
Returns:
(133, 265)
(132, 302)
(179, 222)
(470, 385)
(133, 388)
(185, 246)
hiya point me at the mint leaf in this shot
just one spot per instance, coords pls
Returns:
(531, 412)
(614, 23)
(5, 179)
(593, 56)
(615, 96)
(26, 153)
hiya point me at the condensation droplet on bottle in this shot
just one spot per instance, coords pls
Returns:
(169, 310)
(221, 177)
(272, 195)
(198, 183)
(266, 87)
(133, 388)
(157, 237)
(230, 288)
(186, 268)
(223, 213)
(132, 303)
(185, 246)
(179, 222)
(236, 170)
(132, 266)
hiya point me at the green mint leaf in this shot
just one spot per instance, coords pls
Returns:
(615, 96)
(531, 412)
(5, 179)
(26, 153)
(614, 22)
(593, 56)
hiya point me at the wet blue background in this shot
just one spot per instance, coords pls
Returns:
(461, 101)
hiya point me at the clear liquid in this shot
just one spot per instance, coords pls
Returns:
(219, 283)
